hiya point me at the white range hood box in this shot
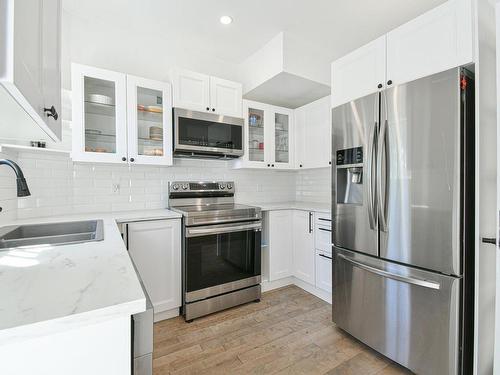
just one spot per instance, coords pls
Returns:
(286, 72)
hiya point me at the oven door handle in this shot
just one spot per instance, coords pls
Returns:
(218, 229)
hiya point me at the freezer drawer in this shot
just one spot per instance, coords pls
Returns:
(409, 315)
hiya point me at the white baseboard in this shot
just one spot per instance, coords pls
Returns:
(167, 314)
(270, 285)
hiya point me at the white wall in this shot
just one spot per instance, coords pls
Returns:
(486, 188)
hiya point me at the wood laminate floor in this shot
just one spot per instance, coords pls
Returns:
(288, 332)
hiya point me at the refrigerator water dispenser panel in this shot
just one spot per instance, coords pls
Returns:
(350, 176)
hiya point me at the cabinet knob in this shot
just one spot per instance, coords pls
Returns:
(213, 109)
(132, 160)
(124, 159)
(272, 165)
(389, 82)
(330, 162)
(379, 86)
(208, 108)
(269, 165)
(300, 165)
(51, 112)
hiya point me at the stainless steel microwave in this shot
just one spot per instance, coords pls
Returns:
(207, 135)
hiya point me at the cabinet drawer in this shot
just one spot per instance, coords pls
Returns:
(323, 271)
(323, 219)
(323, 238)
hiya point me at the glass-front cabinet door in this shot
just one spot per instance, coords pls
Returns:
(256, 134)
(99, 115)
(149, 121)
(281, 138)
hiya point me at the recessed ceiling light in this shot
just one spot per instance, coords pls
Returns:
(226, 20)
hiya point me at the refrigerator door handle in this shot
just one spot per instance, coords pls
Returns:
(390, 275)
(382, 168)
(371, 155)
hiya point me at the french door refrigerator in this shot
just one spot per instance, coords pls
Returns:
(403, 221)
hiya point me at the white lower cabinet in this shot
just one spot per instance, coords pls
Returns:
(155, 248)
(323, 271)
(280, 244)
(303, 245)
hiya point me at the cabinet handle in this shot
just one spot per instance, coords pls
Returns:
(124, 159)
(208, 108)
(272, 165)
(310, 222)
(325, 230)
(379, 86)
(300, 165)
(330, 162)
(51, 112)
(389, 82)
(213, 109)
(324, 256)
(132, 160)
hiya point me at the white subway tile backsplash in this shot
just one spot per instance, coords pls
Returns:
(60, 186)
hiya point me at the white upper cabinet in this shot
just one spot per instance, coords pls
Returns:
(149, 112)
(303, 246)
(225, 97)
(119, 118)
(269, 135)
(359, 73)
(436, 41)
(439, 39)
(30, 45)
(200, 92)
(313, 135)
(191, 90)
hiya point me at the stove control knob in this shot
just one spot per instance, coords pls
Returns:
(175, 187)
(185, 187)
(222, 186)
(229, 186)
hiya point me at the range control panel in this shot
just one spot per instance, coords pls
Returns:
(350, 156)
(201, 187)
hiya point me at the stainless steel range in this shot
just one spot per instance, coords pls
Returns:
(221, 255)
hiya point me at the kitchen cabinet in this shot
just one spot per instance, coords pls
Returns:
(200, 92)
(280, 224)
(30, 68)
(269, 132)
(155, 248)
(313, 135)
(149, 123)
(303, 245)
(323, 271)
(436, 41)
(118, 118)
(359, 73)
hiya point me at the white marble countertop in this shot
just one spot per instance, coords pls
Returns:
(292, 205)
(49, 289)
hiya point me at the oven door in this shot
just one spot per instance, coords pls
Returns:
(221, 258)
(207, 133)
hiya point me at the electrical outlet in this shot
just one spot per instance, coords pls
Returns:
(116, 188)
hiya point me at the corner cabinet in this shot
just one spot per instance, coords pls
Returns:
(118, 118)
(313, 139)
(30, 68)
(200, 92)
(269, 135)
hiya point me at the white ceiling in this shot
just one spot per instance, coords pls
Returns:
(336, 26)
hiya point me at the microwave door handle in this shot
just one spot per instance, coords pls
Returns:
(405, 279)
(215, 229)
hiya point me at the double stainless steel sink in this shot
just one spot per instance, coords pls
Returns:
(51, 234)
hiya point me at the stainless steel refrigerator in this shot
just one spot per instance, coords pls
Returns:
(403, 221)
